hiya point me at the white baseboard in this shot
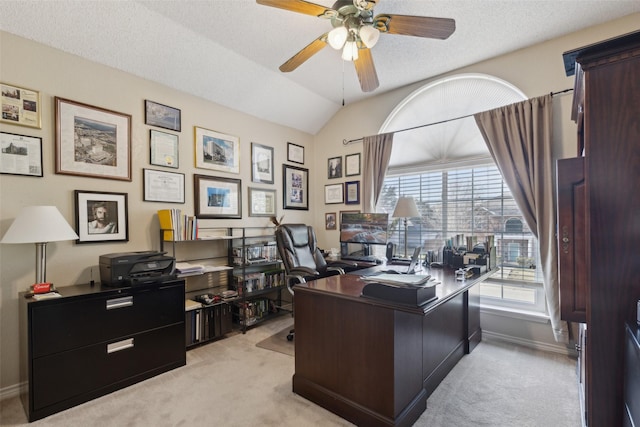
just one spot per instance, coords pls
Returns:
(11, 391)
(536, 345)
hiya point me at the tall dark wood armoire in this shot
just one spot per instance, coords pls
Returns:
(607, 111)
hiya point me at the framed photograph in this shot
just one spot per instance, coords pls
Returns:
(20, 154)
(163, 149)
(334, 167)
(262, 202)
(352, 192)
(333, 193)
(352, 164)
(20, 106)
(330, 222)
(217, 197)
(92, 141)
(295, 153)
(261, 163)
(217, 151)
(162, 186)
(162, 116)
(295, 187)
(101, 217)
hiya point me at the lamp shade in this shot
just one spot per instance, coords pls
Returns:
(406, 208)
(369, 35)
(39, 224)
(337, 37)
(350, 51)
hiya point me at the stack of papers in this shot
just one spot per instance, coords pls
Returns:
(186, 268)
(405, 280)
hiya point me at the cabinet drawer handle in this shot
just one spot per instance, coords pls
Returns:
(120, 345)
(120, 302)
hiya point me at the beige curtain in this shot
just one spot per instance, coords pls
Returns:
(519, 137)
(376, 155)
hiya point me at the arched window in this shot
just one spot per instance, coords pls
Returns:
(513, 225)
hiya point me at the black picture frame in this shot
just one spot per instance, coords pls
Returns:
(163, 149)
(295, 153)
(94, 209)
(295, 187)
(352, 164)
(333, 194)
(163, 186)
(261, 163)
(20, 155)
(217, 197)
(352, 193)
(162, 116)
(334, 167)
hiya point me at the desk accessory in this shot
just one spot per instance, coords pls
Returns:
(39, 225)
(406, 208)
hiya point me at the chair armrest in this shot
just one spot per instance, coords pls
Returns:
(342, 264)
(303, 271)
(338, 269)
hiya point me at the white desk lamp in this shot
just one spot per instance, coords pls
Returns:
(406, 208)
(39, 225)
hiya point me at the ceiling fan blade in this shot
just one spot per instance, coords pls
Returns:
(366, 71)
(299, 6)
(418, 26)
(307, 52)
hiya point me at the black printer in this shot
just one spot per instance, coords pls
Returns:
(136, 268)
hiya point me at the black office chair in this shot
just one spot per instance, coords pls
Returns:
(303, 261)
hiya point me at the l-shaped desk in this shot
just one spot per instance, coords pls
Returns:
(374, 362)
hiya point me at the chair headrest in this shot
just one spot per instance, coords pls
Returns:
(299, 234)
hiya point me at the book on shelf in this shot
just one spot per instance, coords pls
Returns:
(177, 226)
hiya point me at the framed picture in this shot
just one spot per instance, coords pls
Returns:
(20, 106)
(262, 202)
(20, 154)
(330, 222)
(163, 149)
(333, 193)
(261, 163)
(352, 192)
(101, 217)
(295, 153)
(295, 187)
(92, 141)
(162, 186)
(217, 151)
(162, 116)
(217, 197)
(352, 164)
(334, 167)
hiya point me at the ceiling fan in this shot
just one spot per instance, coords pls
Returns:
(356, 30)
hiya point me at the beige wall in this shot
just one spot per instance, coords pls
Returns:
(536, 71)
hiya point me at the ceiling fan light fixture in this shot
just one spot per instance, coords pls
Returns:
(350, 51)
(337, 37)
(369, 35)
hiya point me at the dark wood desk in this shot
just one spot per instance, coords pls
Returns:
(373, 362)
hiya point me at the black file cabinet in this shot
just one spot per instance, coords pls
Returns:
(632, 376)
(95, 340)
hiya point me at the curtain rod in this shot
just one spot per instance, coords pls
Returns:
(351, 141)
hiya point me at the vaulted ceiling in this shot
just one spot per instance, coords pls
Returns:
(229, 51)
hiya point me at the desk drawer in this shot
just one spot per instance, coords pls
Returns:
(87, 370)
(71, 323)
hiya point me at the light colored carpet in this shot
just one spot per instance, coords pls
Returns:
(232, 382)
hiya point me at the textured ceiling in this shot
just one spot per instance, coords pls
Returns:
(229, 51)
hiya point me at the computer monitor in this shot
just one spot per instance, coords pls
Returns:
(364, 228)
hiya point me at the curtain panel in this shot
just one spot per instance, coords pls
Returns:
(519, 137)
(375, 161)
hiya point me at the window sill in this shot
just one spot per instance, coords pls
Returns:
(514, 313)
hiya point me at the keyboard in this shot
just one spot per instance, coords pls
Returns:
(362, 258)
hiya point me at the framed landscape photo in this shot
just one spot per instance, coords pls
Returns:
(162, 116)
(352, 192)
(352, 164)
(333, 193)
(101, 216)
(295, 187)
(20, 106)
(217, 197)
(295, 153)
(334, 167)
(92, 141)
(163, 186)
(262, 202)
(330, 222)
(261, 163)
(163, 149)
(20, 154)
(217, 151)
